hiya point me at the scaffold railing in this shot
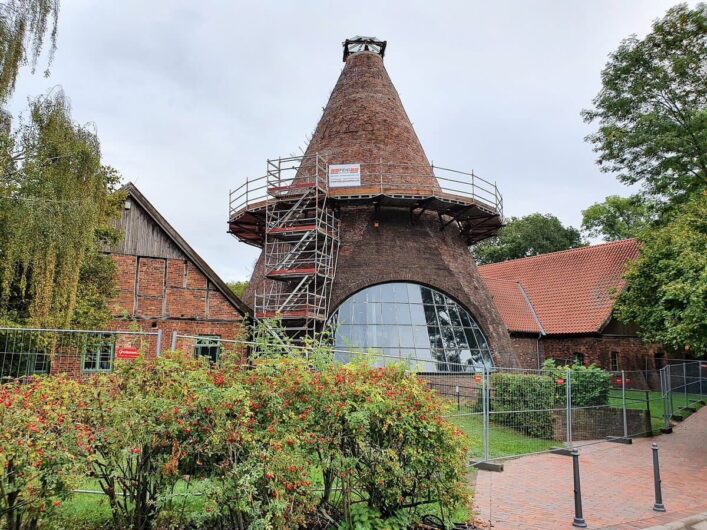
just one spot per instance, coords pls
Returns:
(286, 175)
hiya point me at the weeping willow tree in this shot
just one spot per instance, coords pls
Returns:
(57, 202)
(23, 28)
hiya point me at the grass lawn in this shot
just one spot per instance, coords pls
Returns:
(503, 441)
(91, 510)
(653, 401)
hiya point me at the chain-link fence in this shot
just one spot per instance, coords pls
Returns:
(505, 412)
(511, 412)
(28, 351)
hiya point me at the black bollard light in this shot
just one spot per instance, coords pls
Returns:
(579, 521)
(658, 506)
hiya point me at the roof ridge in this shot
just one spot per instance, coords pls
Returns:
(576, 249)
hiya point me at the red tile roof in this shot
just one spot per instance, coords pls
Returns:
(570, 291)
(512, 304)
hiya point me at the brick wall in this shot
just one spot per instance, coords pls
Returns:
(632, 353)
(156, 291)
(164, 294)
(526, 351)
(403, 249)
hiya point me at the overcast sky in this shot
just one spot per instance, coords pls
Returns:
(190, 98)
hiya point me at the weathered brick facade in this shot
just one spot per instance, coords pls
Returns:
(163, 285)
(631, 352)
(364, 122)
(403, 249)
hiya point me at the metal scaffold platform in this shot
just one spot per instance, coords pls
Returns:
(301, 240)
(290, 213)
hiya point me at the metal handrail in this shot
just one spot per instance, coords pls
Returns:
(478, 189)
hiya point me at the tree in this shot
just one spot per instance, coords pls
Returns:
(667, 285)
(616, 218)
(57, 203)
(23, 26)
(652, 108)
(527, 236)
(238, 288)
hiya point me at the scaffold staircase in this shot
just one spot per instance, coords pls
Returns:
(301, 246)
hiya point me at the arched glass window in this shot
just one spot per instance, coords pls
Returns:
(410, 321)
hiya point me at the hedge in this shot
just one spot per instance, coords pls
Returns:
(525, 402)
(279, 445)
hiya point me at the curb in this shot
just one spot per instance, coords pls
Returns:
(694, 522)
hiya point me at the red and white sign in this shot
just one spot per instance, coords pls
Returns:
(126, 353)
(344, 175)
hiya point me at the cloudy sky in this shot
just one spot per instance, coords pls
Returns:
(190, 98)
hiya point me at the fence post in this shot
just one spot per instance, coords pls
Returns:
(684, 383)
(579, 521)
(486, 412)
(670, 387)
(623, 398)
(658, 506)
(568, 399)
(174, 341)
(456, 390)
(159, 342)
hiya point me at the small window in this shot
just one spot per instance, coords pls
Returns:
(208, 346)
(40, 363)
(614, 361)
(578, 358)
(98, 354)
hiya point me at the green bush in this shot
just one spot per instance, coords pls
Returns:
(590, 385)
(287, 443)
(37, 466)
(523, 402)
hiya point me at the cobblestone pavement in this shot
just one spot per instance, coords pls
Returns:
(536, 492)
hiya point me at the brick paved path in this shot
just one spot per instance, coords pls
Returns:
(535, 492)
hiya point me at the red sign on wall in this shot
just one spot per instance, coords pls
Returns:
(126, 353)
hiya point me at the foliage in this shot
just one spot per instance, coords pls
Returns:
(281, 444)
(527, 236)
(523, 402)
(667, 285)
(652, 108)
(143, 426)
(238, 288)
(590, 384)
(375, 436)
(36, 442)
(58, 202)
(23, 26)
(616, 218)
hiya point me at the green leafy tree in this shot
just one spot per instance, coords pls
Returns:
(58, 202)
(652, 108)
(23, 27)
(527, 236)
(238, 288)
(616, 218)
(667, 285)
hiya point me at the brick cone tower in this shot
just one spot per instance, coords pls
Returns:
(363, 207)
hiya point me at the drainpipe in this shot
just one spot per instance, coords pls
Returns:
(537, 348)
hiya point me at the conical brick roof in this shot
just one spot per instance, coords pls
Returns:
(364, 122)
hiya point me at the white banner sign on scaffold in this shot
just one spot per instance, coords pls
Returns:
(344, 175)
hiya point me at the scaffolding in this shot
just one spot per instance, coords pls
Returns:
(289, 213)
(301, 242)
